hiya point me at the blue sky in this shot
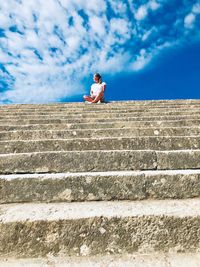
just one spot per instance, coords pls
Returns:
(148, 49)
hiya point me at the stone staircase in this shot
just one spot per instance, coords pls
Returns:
(114, 184)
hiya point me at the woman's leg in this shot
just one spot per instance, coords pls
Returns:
(99, 97)
(88, 98)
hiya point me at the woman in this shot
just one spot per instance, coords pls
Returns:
(97, 90)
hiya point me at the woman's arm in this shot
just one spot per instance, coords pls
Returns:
(103, 87)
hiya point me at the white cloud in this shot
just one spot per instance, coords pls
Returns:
(189, 20)
(153, 5)
(59, 43)
(141, 12)
(196, 8)
(97, 24)
(146, 35)
(119, 27)
(118, 7)
(4, 58)
(141, 60)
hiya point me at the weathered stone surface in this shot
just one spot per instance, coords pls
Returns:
(99, 186)
(96, 111)
(109, 109)
(77, 161)
(183, 159)
(117, 143)
(94, 227)
(110, 160)
(96, 133)
(109, 114)
(126, 260)
(33, 230)
(101, 125)
(93, 119)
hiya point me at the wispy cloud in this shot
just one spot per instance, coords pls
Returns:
(143, 10)
(48, 47)
(190, 18)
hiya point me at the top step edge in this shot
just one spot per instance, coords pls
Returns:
(108, 209)
(101, 174)
(109, 102)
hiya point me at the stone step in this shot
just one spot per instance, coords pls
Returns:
(84, 112)
(97, 110)
(111, 103)
(97, 120)
(98, 133)
(102, 160)
(100, 186)
(95, 115)
(109, 143)
(99, 115)
(112, 260)
(77, 108)
(102, 125)
(101, 108)
(93, 228)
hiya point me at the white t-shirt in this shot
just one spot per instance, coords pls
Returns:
(96, 88)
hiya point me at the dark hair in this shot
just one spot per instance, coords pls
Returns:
(99, 77)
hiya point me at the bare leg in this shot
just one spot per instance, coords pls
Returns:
(98, 97)
(88, 98)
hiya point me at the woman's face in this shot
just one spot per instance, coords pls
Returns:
(96, 79)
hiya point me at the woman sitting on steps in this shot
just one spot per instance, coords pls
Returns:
(97, 90)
